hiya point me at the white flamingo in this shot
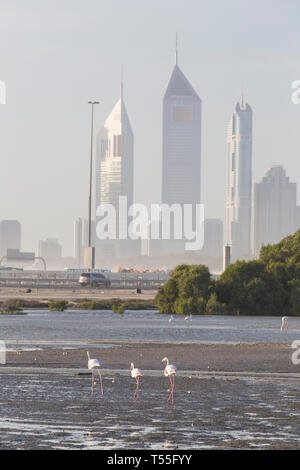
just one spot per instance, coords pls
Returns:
(170, 371)
(95, 364)
(171, 319)
(136, 374)
(188, 320)
(284, 323)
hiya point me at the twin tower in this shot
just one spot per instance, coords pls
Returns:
(181, 164)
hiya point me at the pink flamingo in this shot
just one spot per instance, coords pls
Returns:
(94, 364)
(170, 371)
(136, 374)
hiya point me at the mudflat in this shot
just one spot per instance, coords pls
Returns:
(267, 358)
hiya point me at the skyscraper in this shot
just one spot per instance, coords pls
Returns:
(239, 181)
(114, 169)
(181, 141)
(181, 159)
(275, 210)
(10, 236)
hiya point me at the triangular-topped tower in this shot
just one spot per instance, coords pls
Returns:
(181, 140)
(179, 85)
(181, 158)
(114, 168)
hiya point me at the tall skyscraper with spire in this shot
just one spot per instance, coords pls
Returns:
(114, 167)
(181, 159)
(239, 181)
(181, 140)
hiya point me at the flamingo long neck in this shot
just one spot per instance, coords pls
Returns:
(131, 366)
(167, 361)
(88, 354)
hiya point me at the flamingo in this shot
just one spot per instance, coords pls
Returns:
(170, 371)
(171, 319)
(136, 374)
(188, 320)
(94, 364)
(284, 323)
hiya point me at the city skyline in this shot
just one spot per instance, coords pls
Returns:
(52, 94)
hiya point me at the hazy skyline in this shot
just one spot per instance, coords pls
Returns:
(55, 56)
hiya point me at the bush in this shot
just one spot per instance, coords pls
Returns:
(213, 307)
(58, 305)
(119, 308)
(11, 306)
(186, 292)
(248, 288)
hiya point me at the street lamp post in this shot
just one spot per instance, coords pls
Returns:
(91, 254)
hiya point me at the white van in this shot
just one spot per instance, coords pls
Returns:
(94, 279)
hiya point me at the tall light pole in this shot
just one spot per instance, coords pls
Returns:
(90, 248)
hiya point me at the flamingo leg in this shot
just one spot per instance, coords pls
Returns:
(136, 393)
(92, 383)
(101, 385)
(172, 384)
(171, 388)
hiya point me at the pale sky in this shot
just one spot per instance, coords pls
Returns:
(55, 55)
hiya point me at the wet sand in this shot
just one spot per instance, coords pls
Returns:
(54, 409)
(268, 358)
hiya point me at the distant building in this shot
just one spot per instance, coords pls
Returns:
(275, 210)
(78, 246)
(81, 238)
(298, 218)
(213, 238)
(239, 182)
(10, 236)
(51, 250)
(114, 174)
(181, 159)
(226, 256)
(153, 246)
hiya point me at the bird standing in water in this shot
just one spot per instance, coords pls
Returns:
(284, 323)
(95, 364)
(170, 371)
(136, 374)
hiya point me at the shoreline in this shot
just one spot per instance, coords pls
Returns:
(41, 294)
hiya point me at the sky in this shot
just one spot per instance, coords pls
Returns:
(55, 55)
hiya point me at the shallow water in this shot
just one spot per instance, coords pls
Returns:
(58, 412)
(39, 329)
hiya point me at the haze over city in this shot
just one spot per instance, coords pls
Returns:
(54, 59)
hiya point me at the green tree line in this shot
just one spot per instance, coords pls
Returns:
(269, 285)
